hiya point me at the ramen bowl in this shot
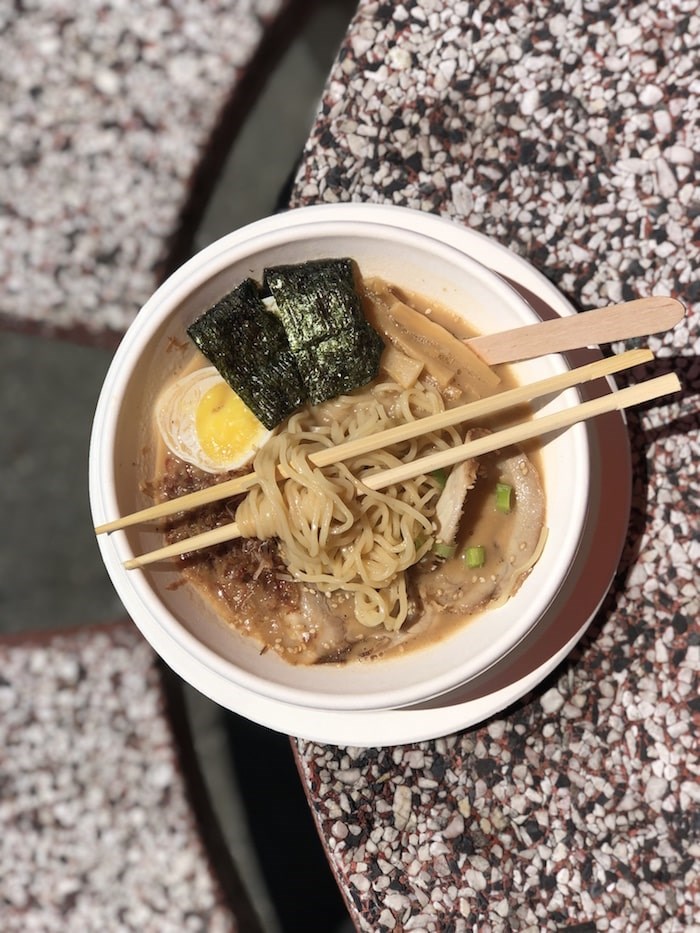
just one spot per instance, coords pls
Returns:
(419, 253)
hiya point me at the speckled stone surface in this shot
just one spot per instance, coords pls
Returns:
(96, 828)
(108, 111)
(570, 133)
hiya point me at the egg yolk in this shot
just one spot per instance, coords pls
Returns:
(225, 426)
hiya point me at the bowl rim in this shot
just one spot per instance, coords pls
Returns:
(141, 600)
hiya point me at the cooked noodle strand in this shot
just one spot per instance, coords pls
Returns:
(333, 531)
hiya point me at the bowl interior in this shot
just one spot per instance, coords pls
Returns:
(122, 457)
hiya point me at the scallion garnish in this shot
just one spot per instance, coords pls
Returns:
(475, 556)
(440, 475)
(504, 496)
(440, 549)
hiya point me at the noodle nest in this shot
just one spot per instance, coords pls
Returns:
(333, 531)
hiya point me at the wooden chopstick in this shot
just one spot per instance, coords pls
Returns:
(483, 407)
(204, 539)
(526, 430)
(615, 401)
(472, 410)
(190, 500)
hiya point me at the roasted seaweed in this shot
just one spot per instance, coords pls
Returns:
(339, 363)
(320, 306)
(312, 344)
(316, 299)
(249, 347)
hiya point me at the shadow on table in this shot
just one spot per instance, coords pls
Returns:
(296, 872)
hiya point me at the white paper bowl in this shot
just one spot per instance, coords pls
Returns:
(413, 251)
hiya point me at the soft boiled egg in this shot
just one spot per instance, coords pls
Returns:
(203, 422)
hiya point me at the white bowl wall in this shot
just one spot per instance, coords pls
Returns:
(413, 251)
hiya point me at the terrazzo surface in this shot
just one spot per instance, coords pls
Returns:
(99, 830)
(569, 133)
(121, 109)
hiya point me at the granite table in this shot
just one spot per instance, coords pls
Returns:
(116, 120)
(567, 132)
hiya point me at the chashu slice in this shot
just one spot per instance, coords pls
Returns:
(452, 586)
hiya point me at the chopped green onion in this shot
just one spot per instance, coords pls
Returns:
(440, 476)
(504, 494)
(475, 556)
(440, 549)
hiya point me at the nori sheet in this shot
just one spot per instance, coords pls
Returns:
(321, 309)
(319, 346)
(340, 363)
(249, 347)
(316, 299)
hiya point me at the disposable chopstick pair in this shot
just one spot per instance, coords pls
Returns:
(615, 401)
(536, 427)
(471, 411)
(526, 430)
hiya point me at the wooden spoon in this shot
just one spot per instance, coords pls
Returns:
(637, 318)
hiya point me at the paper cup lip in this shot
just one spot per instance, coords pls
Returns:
(138, 590)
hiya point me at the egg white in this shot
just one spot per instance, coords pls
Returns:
(176, 418)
